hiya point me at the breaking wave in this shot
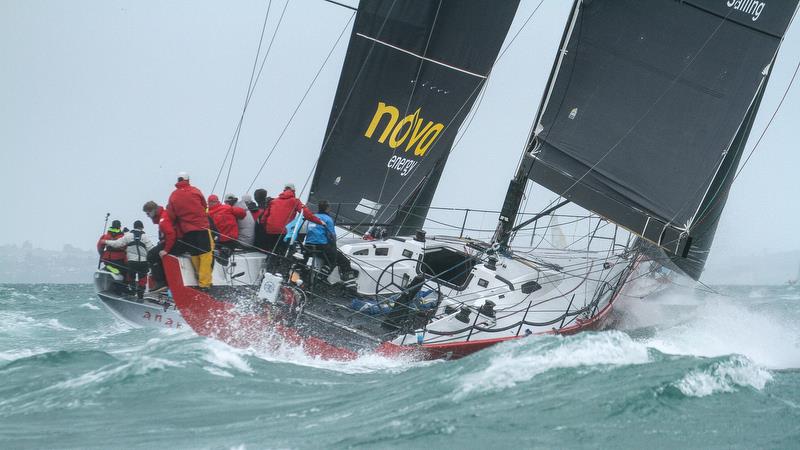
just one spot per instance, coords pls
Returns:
(681, 366)
(521, 361)
(724, 376)
(714, 325)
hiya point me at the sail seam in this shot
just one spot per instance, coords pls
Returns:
(424, 58)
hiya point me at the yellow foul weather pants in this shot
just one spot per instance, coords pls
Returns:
(202, 265)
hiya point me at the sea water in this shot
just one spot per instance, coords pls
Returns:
(685, 369)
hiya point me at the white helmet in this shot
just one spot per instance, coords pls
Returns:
(183, 176)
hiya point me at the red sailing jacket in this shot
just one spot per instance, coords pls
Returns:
(166, 230)
(110, 253)
(187, 208)
(225, 219)
(282, 210)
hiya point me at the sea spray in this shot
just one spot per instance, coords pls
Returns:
(714, 325)
(520, 361)
(97, 383)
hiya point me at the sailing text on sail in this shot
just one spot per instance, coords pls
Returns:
(752, 7)
(409, 130)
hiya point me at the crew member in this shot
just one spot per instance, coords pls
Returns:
(247, 224)
(187, 210)
(167, 237)
(113, 258)
(250, 205)
(322, 238)
(279, 213)
(225, 219)
(262, 202)
(137, 244)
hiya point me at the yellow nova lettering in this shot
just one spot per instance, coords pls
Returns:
(408, 130)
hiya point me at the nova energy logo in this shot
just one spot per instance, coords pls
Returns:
(411, 131)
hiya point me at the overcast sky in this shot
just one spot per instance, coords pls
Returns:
(103, 102)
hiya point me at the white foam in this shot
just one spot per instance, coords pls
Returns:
(140, 366)
(90, 306)
(522, 360)
(217, 371)
(714, 326)
(13, 355)
(16, 322)
(278, 350)
(225, 356)
(724, 377)
(54, 324)
(11, 321)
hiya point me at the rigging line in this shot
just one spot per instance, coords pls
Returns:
(471, 95)
(247, 96)
(452, 149)
(758, 142)
(488, 76)
(503, 52)
(459, 137)
(347, 99)
(650, 108)
(771, 119)
(413, 90)
(769, 123)
(258, 76)
(291, 118)
(341, 4)
(479, 86)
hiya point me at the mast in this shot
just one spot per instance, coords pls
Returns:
(644, 125)
(516, 188)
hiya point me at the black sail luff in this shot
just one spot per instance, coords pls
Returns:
(651, 107)
(412, 72)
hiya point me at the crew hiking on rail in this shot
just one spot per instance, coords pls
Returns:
(191, 224)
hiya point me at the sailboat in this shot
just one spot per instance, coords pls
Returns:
(642, 124)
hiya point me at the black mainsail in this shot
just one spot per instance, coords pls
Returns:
(648, 111)
(412, 71)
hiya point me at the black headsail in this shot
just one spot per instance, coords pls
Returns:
(412, 72)
(648, 111)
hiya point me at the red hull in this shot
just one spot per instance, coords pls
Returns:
(213, 318)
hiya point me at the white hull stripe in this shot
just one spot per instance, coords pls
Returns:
(421, 57)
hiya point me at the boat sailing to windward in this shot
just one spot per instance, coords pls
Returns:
(642, 123)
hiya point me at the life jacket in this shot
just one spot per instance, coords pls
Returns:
(137, 247)
(109, 253)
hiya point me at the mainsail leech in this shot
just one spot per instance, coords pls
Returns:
(650, 109)
(412, 72)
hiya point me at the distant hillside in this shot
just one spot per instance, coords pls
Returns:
(26, 264)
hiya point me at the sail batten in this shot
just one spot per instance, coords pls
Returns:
(648, 102)
(443, 64)
(411, 75)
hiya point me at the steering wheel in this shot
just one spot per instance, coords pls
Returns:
(392, 285)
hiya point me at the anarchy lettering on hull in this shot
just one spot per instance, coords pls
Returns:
(412, 72)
